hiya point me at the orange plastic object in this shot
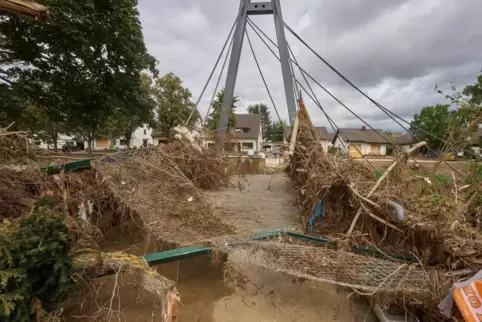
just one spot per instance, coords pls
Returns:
(469, 302)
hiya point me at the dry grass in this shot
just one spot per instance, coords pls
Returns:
(151, 184)
(438, 230)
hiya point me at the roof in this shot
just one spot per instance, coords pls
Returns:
(405, 139)
(396, 134)
(321, 131)
(248, 121)
(364, 135)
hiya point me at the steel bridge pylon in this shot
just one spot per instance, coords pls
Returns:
(247, 8)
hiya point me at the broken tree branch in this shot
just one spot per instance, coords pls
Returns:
(150, 279)
(377, 184)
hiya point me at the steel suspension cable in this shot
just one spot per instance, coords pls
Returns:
(212, 72)
(328, 92)
(219, 79)
(304, 72)
(361, 92)
(333, 125)
(262, 77)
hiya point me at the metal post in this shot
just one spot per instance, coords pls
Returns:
(256, 8)
(285, 61)
(232, 74)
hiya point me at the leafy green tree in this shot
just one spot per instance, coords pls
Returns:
(277, 131)
(174, 102)
(82, 66)
(474, 92)
(125, 122)
(434, 120)
(27, 116)
(262, 109)
(213, 117)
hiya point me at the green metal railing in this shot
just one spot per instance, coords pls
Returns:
(192, 251)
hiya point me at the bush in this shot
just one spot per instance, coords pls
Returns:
(35, 267)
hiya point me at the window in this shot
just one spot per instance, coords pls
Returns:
(246, 130)
(124, 142)
(247, 145)
(145, 131)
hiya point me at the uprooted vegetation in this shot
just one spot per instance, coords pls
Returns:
(158, 189)
(437, 232)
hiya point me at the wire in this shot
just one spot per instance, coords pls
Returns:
(361, 92)
(295, 84)
(262, 76)
(330, 120)
(328, 92)
(212, 72)
(219, 79)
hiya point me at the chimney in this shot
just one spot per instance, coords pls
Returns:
(363, 128)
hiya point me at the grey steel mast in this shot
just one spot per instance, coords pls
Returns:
(248, 8)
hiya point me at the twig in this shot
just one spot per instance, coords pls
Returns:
(379, 181)
(9, 126)
(383, 221)
(464, 208)
(455, 188)
(13, 133)
(361, 197)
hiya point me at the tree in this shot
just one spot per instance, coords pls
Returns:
(262, 109)
(277, 131)
(474, 92)
(174, 103)
(125, 122)
(213, 117)
(82, 66)
(434, 120)
(27, 116)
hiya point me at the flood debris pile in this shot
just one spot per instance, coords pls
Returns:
(45, 259)
(398, 210)
(151, 184)
(70, 211)
(13, 144)
(206, 169)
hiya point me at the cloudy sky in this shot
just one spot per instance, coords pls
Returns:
(395, 50)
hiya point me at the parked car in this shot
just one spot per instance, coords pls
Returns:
(70, 146)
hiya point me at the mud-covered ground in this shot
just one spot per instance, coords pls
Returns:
(264, 202)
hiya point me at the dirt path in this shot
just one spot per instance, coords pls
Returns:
(262, 202)
(265, 202)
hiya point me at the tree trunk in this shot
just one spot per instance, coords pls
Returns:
(90, 137)
(128, 137)
(54, 137)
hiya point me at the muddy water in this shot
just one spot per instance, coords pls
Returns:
(265, 202)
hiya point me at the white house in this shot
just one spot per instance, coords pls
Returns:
(321, 131)
(248, 135)
(362, 141)
(140, 137)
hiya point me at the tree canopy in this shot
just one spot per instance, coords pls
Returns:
(455, 122)
(213, 117)
(173, 102)
(82, 66)
(434, 120)
(277, 131)
(262, 109)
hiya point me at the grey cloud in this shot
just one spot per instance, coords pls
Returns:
(395, 50)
